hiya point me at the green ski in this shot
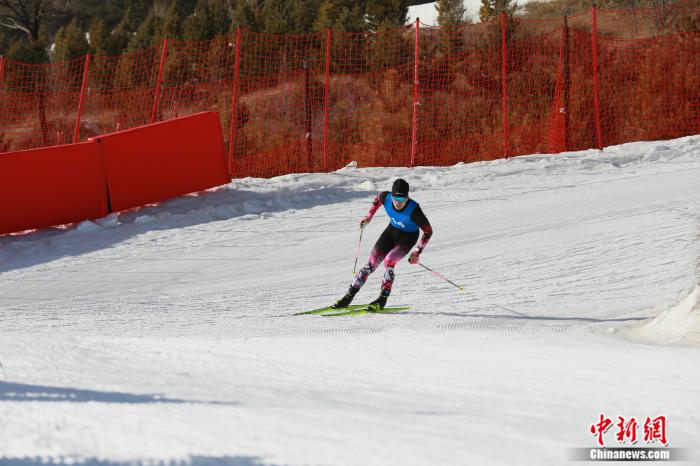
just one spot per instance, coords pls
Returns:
(330, 308)
(365, 310)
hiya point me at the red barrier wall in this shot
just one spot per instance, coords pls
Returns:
(51, 186)
(168, 159)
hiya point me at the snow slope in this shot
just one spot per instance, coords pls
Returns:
(166, 336)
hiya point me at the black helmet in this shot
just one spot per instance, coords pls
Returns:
(400, 188)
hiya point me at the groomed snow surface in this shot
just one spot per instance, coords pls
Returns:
(166, 335)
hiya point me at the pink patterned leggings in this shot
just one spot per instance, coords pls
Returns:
(390, 259)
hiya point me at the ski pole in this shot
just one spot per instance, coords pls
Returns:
(357, 253)
(461, 288)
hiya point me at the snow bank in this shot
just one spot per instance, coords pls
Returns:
(166, 334)
(678, 325)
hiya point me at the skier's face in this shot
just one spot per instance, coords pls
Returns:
(399, 202)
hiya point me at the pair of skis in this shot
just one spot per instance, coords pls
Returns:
(352, 310)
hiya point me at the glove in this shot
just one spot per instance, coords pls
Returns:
(364, 221)
(414, 257)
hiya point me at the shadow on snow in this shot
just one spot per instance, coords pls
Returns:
(23, 392)
(520, 316)
(218, 204)
(192, 461)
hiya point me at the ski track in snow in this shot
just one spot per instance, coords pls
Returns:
(175, 322)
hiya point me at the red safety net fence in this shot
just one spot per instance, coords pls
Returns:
(416, 95)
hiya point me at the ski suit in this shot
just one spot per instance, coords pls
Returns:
(397, 239)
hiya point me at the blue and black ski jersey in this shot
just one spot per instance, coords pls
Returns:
(403, 224)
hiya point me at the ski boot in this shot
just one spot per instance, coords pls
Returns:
(345, 300)
(379, 303)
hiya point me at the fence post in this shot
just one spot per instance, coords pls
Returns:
(414, 133)
(306, 67)
(234, 103)
(41, 104)
(76, 134)
(326, 98)
(567, 84)
(156, 98)
(504, 69)
(596, 99)
(2, 69)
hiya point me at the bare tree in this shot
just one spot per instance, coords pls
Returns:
(28, 15)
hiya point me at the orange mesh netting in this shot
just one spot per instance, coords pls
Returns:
(416, 95)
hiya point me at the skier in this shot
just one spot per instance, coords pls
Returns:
(405, 218)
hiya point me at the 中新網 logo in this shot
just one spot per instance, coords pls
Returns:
(626, 430)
